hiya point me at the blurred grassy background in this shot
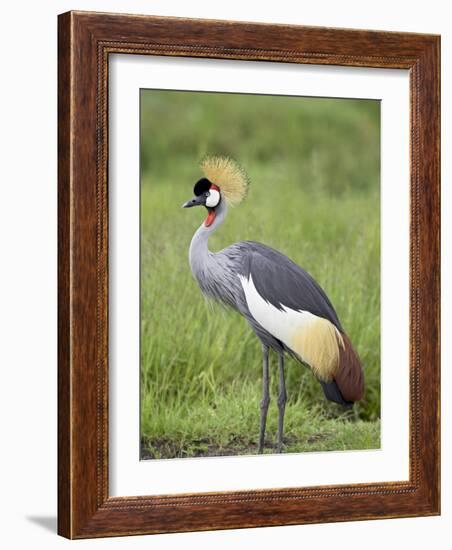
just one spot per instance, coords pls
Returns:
(315, 196)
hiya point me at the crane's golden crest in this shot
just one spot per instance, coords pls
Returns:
(228, 175)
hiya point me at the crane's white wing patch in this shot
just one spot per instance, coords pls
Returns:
(280, 323)
(314, 339)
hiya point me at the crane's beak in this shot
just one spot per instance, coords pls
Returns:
(195, 201)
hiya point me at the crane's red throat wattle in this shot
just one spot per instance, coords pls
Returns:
(210, 217)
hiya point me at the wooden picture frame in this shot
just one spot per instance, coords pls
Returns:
(85, 42)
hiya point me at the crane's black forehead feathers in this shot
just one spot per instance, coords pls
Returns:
(201, 186)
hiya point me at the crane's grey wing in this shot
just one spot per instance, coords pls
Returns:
(283, 283)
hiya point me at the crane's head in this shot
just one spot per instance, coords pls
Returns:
(224, 180)
(206, 194)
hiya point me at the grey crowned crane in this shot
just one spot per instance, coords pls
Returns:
(286, 308)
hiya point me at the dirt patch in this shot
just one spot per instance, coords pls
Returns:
(321, 436)
(164, 447)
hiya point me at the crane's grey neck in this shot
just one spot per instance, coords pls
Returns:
(199, 253)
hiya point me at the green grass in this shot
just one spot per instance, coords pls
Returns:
(314, 167)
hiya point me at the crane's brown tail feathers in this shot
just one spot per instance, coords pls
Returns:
(332, 359)
(349, 375)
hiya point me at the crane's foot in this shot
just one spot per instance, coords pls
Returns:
(261, 446)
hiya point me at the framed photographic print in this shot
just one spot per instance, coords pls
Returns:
(269, 353)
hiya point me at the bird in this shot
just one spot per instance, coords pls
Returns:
(286, 308)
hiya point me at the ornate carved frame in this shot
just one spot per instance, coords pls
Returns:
(85, 41)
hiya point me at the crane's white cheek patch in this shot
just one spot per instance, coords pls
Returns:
(213, 199)
(314, 339)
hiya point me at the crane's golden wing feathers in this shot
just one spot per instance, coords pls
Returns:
(230, 177)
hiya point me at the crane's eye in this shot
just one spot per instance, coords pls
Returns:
(213, 198)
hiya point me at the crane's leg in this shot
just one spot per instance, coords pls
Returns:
(265, 397)
(282, 399)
